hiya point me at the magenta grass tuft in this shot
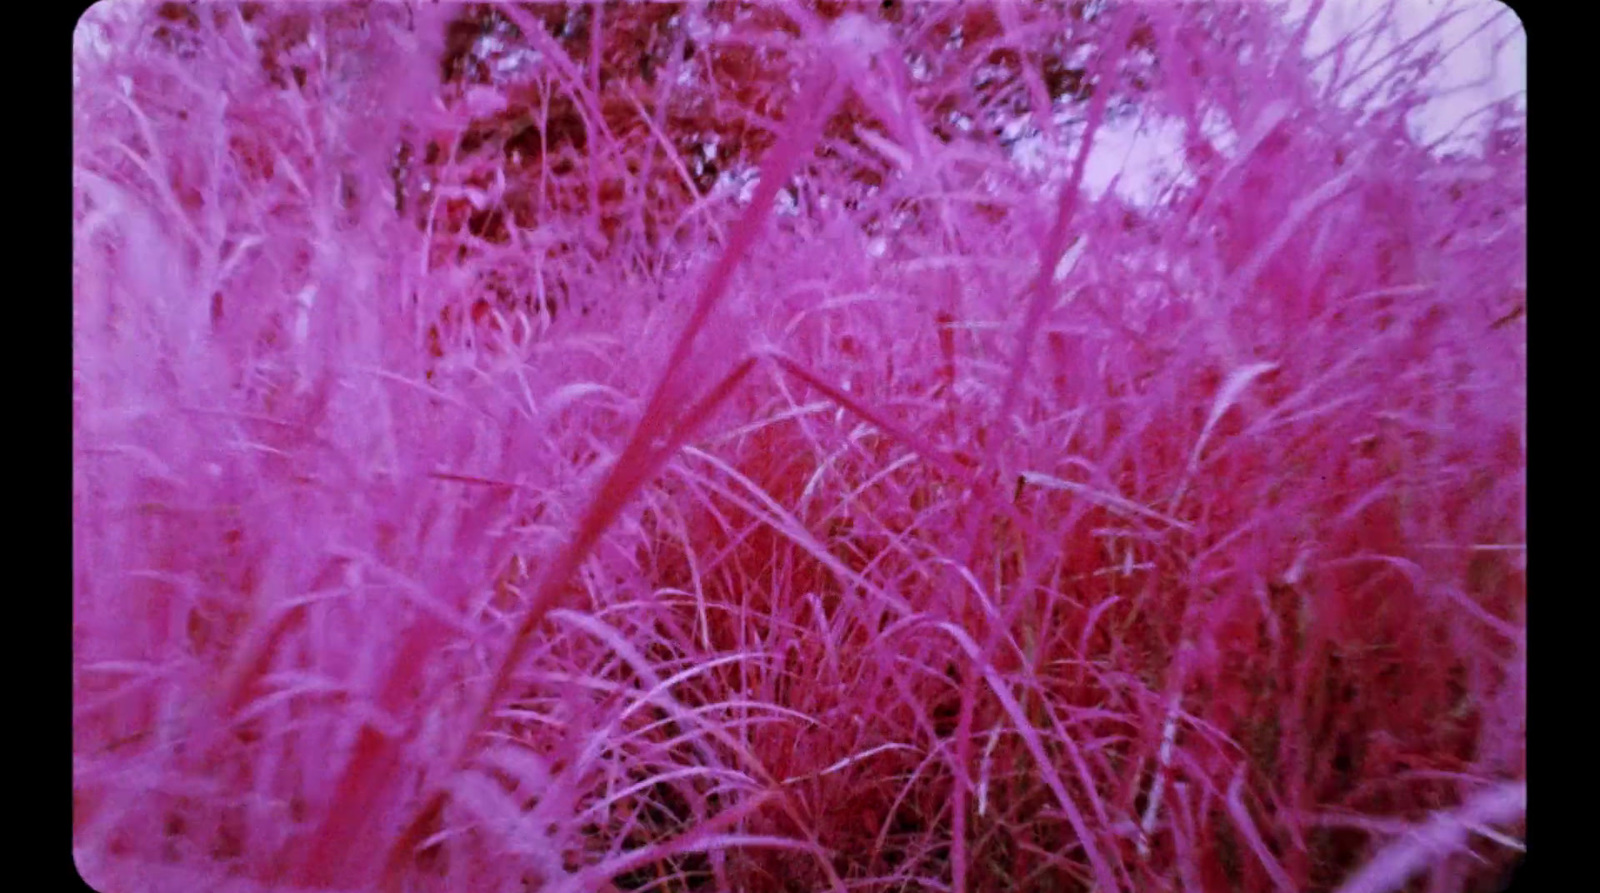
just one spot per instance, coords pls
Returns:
(819, 446)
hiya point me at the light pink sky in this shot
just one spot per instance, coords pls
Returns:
(1486, 66)
(1471, 77)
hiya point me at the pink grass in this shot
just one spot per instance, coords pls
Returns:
(757, 450)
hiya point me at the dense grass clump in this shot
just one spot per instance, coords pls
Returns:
(680, 447)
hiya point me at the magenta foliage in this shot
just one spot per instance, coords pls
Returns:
(741, 448)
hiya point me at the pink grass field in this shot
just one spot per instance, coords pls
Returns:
(777, 448)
